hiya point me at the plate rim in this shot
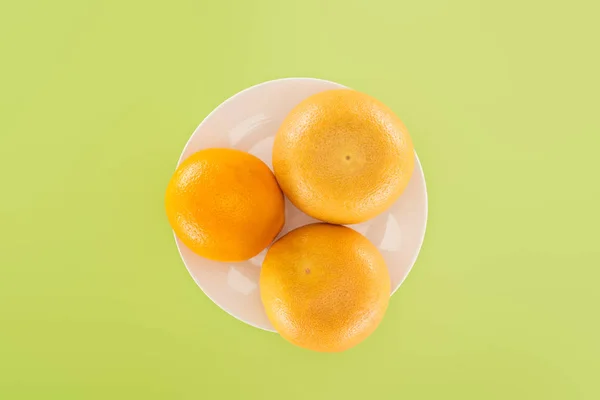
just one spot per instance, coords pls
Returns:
(224, 103)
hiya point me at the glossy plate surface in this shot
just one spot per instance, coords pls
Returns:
(248, 121)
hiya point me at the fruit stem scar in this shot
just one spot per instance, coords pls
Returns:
(347, 157)
(307, 270)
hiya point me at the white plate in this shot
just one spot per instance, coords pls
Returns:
(248, 121)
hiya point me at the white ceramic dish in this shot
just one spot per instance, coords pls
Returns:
(248, 121)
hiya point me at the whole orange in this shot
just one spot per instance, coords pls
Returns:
(342, 156)
(324, 287)
(225, 204)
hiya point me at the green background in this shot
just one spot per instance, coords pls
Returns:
(98, 98)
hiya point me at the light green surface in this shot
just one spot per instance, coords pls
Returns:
(98, 98)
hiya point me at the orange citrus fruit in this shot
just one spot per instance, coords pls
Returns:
(225, 204)
(324, 287)
(342, 156)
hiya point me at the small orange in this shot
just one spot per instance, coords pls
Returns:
(342, 156)
(225, 204)
(324, 287)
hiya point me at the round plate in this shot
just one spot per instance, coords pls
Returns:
(248, 121)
